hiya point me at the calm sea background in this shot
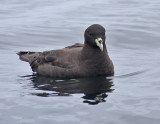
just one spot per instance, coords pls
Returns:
(132, 96)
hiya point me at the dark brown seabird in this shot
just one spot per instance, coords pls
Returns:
(79, 60)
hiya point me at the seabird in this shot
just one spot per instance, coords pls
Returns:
(79, 60)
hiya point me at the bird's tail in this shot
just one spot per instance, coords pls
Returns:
(28, 56)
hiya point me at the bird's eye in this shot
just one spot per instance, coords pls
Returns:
(90, 34)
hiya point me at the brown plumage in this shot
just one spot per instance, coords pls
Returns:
(78, 60)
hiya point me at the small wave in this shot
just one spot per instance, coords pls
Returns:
(130, 74)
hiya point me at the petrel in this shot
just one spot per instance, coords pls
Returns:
(79, 60)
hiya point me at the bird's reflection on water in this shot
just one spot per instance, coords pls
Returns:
(95, 89)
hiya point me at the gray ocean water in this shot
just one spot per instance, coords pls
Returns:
(132, 96)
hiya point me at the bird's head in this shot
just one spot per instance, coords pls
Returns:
(95, 36)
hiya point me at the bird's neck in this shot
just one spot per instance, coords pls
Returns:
(94, 53)
(96, 61)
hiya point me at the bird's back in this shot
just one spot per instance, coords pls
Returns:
(64, 58)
